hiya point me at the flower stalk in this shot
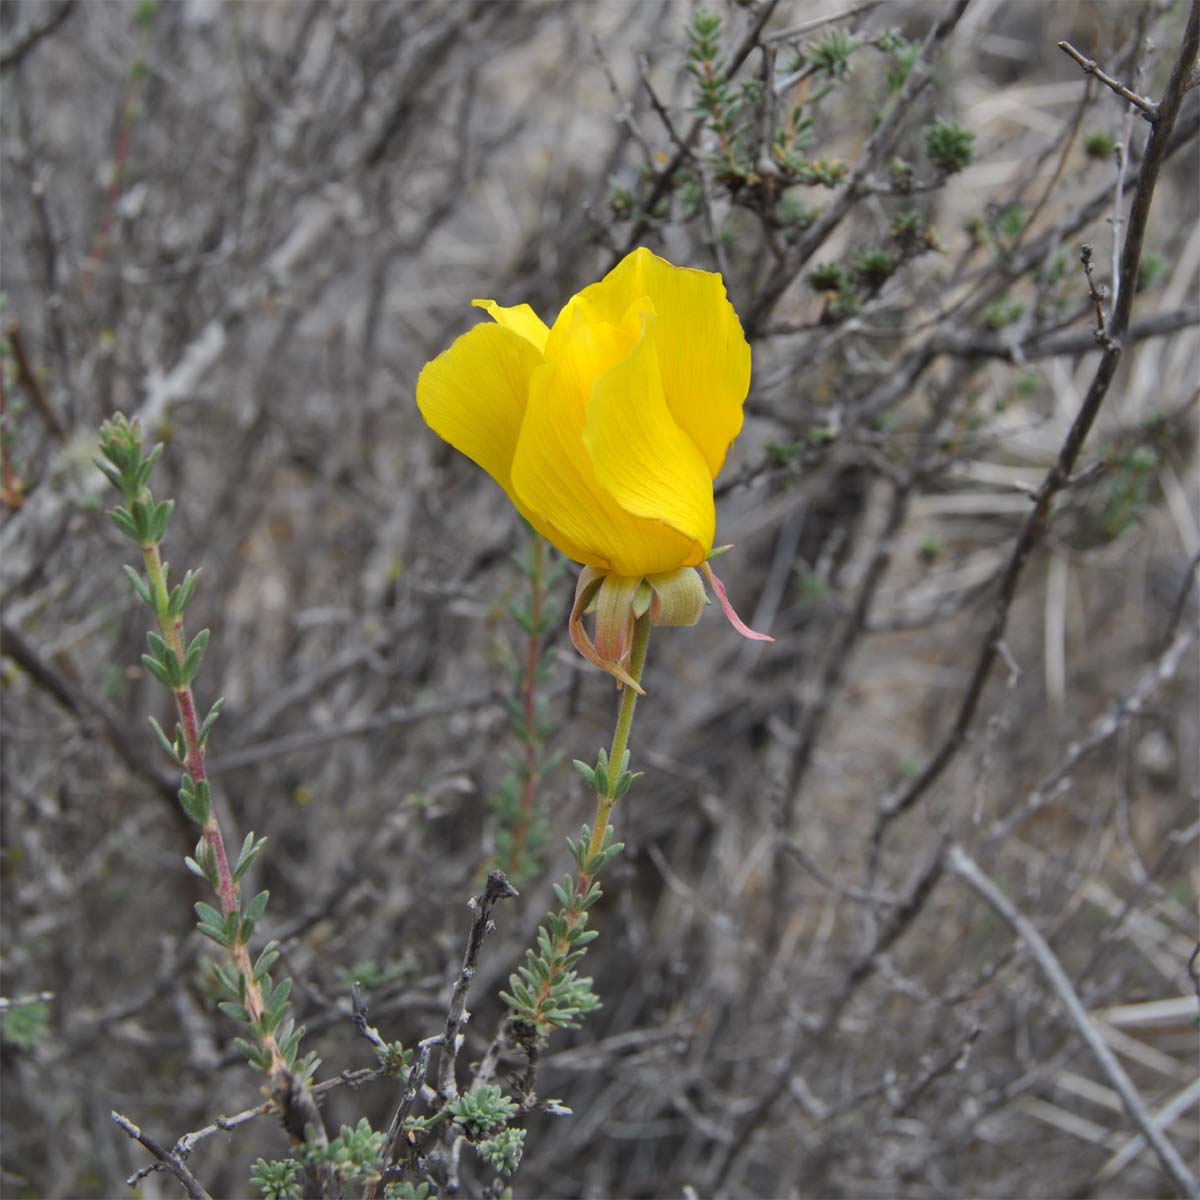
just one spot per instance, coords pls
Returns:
(606, 801)
(547, 992)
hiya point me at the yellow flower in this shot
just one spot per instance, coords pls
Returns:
(607, 429)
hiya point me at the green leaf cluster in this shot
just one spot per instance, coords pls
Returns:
(409, 1191)
(278, 1180)
(601, 778)
(275, 1020)
(503, 1152)
(546, 992)
(482, 1110)
(25, 1025)
(950, 146)
(353, 1154)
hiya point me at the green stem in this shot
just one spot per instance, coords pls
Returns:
(228, 891)
(605, 803)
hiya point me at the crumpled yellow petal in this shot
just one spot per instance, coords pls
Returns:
(703, 355)
(473, 395)
(641, 456)
(552, 470)
(520, 319)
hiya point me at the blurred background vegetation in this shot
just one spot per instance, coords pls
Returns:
(251, 224)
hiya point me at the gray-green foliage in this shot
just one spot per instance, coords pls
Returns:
(144, 521)
(503, 1151)
(481, 1110)
(25, 1025)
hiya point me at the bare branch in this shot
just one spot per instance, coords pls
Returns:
(894, 805)
(1147, 108)
(14, 54)
(961, 864)
(169, 1160)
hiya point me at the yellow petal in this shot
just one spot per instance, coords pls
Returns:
(552, 472)
(704, 360)
(474, 396)
(641, 456)
(520, 319)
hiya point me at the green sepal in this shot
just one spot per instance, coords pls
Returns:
(641, 599)
(139, 585)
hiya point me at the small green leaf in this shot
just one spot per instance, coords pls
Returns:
(257, 906)
(196, 799)
(159, 520)
(181, 597)
(214, 935)
(256, 1056)
(191, 662)
(164, 672)
(163, 741)
(236, 1011)
(266, 960)
(139, 585)
(110, 474)
(121, 518)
